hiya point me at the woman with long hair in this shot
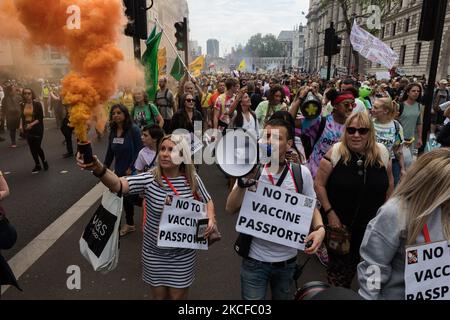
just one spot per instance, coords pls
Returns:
(169, 272)
(144, 113)
(273, 104)
(245, 118)
(185, 117)
(354, 180)
(411, 116)
(32, 126)
(389, 132)
(124, 145)
(420, 203)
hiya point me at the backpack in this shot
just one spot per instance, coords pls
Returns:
(244, 241)
(306, 140)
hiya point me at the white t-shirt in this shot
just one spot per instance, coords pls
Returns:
(144, 159)
(266, 251)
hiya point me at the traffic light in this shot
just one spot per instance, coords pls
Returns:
(129, 12)
(181, 35)
(337, 44)
(329, 40)
(136, 11)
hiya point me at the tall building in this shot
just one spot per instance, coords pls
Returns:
(298, 47)
(399, 30)
(212, 48)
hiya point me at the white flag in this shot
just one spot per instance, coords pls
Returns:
(372, 48)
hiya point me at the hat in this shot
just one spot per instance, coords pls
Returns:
(444, 82)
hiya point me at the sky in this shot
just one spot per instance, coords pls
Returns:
(235, 21)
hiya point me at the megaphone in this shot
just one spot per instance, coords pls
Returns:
(238, 153)
(311, 108)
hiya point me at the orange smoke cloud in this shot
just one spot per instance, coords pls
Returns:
(91, 50)
(11, 27)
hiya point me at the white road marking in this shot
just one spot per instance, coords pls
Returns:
(24, 259)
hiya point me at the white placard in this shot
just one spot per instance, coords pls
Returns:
(427, 272)
(178, 225)
(276, 215)
(384, 75)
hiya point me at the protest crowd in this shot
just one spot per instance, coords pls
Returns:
(369, 185)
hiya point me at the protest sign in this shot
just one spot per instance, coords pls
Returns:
(277, 215)
(178, 225)
(384, 75)
(427, 272)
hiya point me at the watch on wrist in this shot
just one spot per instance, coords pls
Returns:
(245, 183)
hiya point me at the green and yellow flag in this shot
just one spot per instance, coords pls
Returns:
(150, 62)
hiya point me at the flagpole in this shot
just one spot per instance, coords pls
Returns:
(173, 47)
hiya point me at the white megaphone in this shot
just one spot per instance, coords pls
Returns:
(238, 153)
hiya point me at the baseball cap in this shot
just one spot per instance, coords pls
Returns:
(443, 81)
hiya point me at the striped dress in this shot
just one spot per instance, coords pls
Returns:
(169, 267)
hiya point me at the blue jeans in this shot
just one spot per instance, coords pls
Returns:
(256, 276)
(396, 170)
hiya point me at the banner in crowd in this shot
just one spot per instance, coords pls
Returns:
(383, 75)
(150, 62)
(196, 66)
(276, 215)
(177, 69)
(372, 48)
(242, 65)
(178, 225)
(162, 61)
(427, 272)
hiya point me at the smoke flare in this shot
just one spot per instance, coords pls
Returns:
(91, 49)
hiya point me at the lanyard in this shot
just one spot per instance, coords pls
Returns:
(171, 186)
(426, 234)
(196, 196)
(282, 177)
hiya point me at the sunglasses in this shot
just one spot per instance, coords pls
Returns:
(189, 100)
(361, 131)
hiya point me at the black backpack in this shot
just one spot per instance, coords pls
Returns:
(306, 140)
(244, 241)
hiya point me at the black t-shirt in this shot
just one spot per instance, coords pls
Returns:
(177, 121)
(356, 202)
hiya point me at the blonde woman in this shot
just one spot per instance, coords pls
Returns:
(169, 272)
(353, 182)
(389, 132)
(422, 198)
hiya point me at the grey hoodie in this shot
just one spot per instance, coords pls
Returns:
(384, 246)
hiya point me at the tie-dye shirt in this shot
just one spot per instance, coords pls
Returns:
(331, 134)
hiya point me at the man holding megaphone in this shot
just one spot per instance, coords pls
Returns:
(266, 262)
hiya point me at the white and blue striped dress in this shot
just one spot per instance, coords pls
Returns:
(173, 268)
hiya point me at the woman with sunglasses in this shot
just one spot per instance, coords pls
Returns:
(32, 126)
(169, 271)
(186, 116)
(353, 182)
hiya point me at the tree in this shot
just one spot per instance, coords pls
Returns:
(386, 7)
(267, 46)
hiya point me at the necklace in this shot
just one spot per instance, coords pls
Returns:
(360, 164)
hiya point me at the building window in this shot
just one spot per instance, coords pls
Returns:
(417, 53)
(402, 55)
(394, 26)
(407, 21)
(382, 32)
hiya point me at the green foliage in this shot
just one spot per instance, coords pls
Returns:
(263, 46)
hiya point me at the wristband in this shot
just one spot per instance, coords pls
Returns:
(245, 185)
(101, 174)
(328, 211)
